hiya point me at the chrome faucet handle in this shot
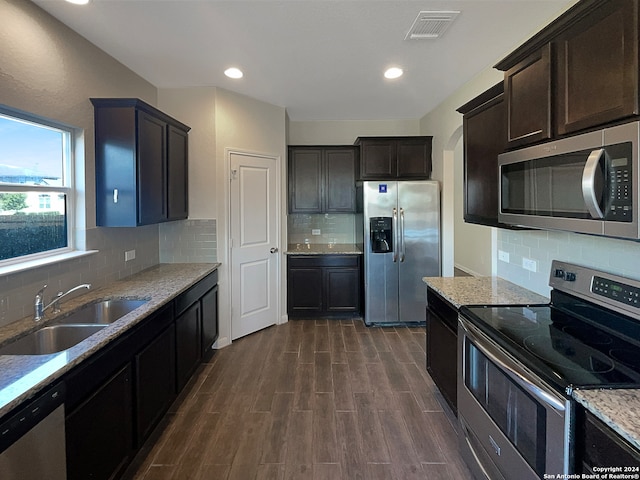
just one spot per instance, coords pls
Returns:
(38, 305)
(56, 304)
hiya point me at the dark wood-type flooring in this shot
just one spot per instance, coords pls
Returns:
(312, 399)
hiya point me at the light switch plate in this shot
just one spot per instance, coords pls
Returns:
(503, 256)
(315, 231)
(529, 264)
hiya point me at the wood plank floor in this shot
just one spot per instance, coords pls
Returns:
(312, 399)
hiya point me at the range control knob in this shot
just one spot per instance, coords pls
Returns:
(570, 277)
(559, 273)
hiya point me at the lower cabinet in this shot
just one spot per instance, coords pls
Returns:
(187, 344)
(597, 445)
(117, 397)
(99, 432)
(442, 347)
(324, 286)
(155, 387)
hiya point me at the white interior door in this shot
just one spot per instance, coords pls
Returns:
(254, 243)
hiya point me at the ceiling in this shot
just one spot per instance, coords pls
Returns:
(321, 59)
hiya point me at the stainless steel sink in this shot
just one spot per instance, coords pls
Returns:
(51, 339)
(103, 313)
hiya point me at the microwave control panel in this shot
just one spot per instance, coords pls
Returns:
(620, 183)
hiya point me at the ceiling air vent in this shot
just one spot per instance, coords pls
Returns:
(431, 24)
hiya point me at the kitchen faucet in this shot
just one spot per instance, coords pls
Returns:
(39, 304)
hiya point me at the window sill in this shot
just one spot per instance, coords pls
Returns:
(43, 262)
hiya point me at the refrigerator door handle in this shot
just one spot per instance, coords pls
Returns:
(402, 249)
(394, 226)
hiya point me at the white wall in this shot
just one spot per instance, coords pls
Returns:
(345, 132)
(48, 70)
(471, 247)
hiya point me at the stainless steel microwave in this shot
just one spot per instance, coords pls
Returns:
(586, 183)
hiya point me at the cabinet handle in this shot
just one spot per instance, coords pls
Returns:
(115, 195)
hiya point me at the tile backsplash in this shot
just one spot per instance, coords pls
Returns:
(621, 257)
(332, 228)
(188, 241)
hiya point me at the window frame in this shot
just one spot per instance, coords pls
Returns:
(67, 188)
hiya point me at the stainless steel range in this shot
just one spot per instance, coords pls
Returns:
(518, 366)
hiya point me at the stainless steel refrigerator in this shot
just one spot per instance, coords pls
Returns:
(401, 245)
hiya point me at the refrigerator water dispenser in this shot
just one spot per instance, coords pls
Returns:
(381, 234)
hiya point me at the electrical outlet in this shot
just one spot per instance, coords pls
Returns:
(529, 264)
(503, 256)
(316, 231)
(129, 255)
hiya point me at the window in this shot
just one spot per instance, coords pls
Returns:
(36, 187)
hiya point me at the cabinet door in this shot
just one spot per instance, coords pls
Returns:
(340, 180)
(177, 174)
(188, 344)
(304, 291)
(99, 432)
(597, 68)
(377, 159)
(155, 384)
(342, 290)
(413, 158)
(305, 180)
(209, 304)
(528, 96)
(152, 158)
(484, 140)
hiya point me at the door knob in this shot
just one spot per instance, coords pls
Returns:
(274, 249)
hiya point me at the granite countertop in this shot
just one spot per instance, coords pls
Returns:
(620, 409)
(22, 376)
(461, 291)
(323, 249)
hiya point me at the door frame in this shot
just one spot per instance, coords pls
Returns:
(279, 234)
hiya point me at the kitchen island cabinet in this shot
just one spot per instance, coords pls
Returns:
(141, 164)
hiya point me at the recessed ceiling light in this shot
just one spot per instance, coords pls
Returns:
(233, 72)
(393, 72)
(78, 2)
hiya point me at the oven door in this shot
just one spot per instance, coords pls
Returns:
(512, 425)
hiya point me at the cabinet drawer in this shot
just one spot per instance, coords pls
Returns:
(196, 292)
(323, 261)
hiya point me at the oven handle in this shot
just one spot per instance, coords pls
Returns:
(589, 193)
(482, 345)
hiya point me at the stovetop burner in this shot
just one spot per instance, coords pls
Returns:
(566, 349)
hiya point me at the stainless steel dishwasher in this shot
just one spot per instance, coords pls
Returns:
(32, 439)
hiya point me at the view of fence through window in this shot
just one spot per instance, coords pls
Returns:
(34, 187)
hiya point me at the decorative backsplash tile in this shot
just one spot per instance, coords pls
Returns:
(188, 241)
(333, 228)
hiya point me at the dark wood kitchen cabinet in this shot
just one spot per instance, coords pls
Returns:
(442, 346)
(598, 445)
(484, 127)
(527, 87)
(578, 73)
(322, 179)
(324, 286)
(141, 164)
(597, 67)
(395, 158)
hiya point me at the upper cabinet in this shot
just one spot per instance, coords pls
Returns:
(485, 138)
(597, 67)
(141, 164)
(322, 179)
(578, 73)
(395, 158)
(527, 87)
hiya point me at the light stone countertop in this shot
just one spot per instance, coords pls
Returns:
(620, 409)
(22, 376)
(323, 249)
(461, 291)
